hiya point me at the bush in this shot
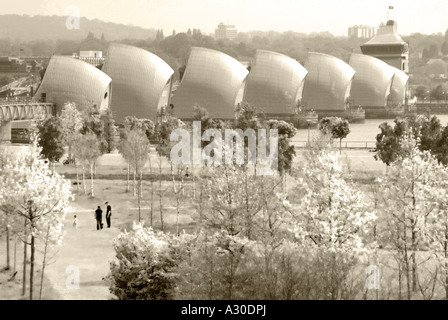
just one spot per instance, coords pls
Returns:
(146, 260)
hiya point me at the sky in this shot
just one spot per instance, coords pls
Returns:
(307, 16)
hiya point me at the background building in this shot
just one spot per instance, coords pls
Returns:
(13, 65)
(275, 84)
(139, 79)
(226, 31)
(92, 57)
(212, 80)
(327, 85)
(362, 31)
(70, 80)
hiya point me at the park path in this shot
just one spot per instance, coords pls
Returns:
(87, 250)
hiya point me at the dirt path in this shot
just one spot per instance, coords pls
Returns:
(87, 250)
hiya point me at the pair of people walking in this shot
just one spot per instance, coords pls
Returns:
(99, 216)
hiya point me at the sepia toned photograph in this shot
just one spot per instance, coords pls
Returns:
(231, 151)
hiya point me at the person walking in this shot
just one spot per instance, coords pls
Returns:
(99, 218)
(108, 213)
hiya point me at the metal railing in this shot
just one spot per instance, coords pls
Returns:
(345, 144)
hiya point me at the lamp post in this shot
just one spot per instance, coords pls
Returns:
(308, 122)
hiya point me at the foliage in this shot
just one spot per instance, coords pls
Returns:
(412, 192)
(38, 195)
(93, 123)
(110, 131)
(337, 127)
(162, 135)
(332, 212)
(146, 263)
(71, 123)
(393, 142)
(286, 150)
(146, 125)
(50, 135)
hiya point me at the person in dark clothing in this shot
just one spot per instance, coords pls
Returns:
(99, 218)
(108, 214)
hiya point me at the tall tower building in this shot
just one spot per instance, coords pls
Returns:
(361, 31)
(388, 46)
(226, 31)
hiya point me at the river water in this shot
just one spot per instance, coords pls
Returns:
(360, 132)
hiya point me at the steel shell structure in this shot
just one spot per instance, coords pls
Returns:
(398, 88)
(275, 83)
(327, 85)
(372, 81)
(139, 78)
(70, 80)
(211, 80)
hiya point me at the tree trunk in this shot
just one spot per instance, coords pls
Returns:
(141, 182)
(24, 261)
(15, 255)
(77, 177)
(44, 263)
(91, 181)
(194, 185)
(7, 246)
(160, 192)
(139, 195)
(129, 172)
(445, 247)
(152, 191)
(84, 180)
(133, 184)
(32, 267)
(177, 208)
(406, 261)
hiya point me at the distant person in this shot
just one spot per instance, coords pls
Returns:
(99, 218)
(108, 213)
(75, 222)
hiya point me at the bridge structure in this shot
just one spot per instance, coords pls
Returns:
(21, 110)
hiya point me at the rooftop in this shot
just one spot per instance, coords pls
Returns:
(386, 34)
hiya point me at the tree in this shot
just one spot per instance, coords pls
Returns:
(146, 266)
(420, 92)
(87, 150)
(389, 144)
(71, 123)
(438, 93)
(145, 125)
(393, 142)
(332, 220)
(50, 134)
(93, 123)
(38, 196)
(412, 190)
(138, 146)
(340, 130)
(110, 131)
(286, 150)
(164, 145)
(227, 200)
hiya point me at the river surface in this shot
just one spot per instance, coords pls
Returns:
(362, 132)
